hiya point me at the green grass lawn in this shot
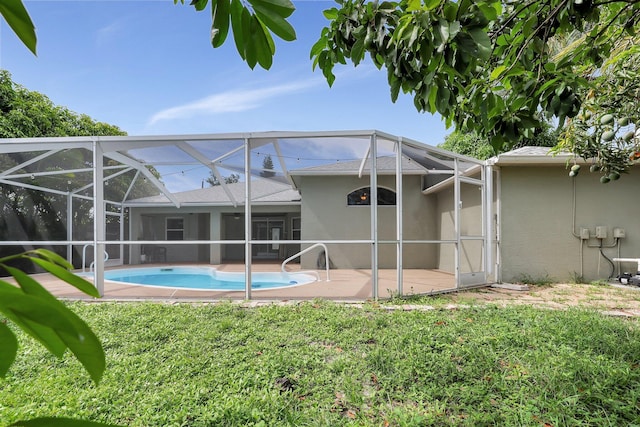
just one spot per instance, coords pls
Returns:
(323, 364)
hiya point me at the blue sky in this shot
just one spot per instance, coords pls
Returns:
(148, 67)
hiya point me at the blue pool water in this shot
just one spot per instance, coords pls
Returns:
(205, 278)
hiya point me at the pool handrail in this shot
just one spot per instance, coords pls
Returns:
(304, 251)
(84, 258)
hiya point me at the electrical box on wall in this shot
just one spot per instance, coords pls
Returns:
(584, 234)
(619, 233)
(601, 232)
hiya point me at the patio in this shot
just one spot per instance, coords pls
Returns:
(345, 285)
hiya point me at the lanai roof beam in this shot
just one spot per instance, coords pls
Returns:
(29, 162)
(206, 162)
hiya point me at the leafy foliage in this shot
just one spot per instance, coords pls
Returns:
(213, 181)
(607, 130)
(473, 145)
(485, 66)
(252, 23)
(38, 313)
(267, 167)
(470, 144)
(31, 308)
(27, 113)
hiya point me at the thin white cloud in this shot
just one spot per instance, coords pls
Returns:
(231, 101)
(109, 32)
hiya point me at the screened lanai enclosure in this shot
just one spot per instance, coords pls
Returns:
(347, 215)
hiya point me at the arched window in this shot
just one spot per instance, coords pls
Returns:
(362, 196)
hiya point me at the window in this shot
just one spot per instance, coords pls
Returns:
(175, 228)
(362, 196)
(296, 226)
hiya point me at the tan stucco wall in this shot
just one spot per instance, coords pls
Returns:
(536, 222)
(326, 216)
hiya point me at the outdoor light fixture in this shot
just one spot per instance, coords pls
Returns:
(236, 216)
(363, 197)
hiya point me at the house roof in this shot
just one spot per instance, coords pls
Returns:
(531, 156)
(263, 191)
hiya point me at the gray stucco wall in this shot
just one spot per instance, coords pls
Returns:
(537, 218)
(233, 229)
(150, 224)
(326, 216)
(200, 223)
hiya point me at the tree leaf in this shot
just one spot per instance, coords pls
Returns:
(273, 20)
(199, 4)
(442, 102)
(51, 256)
(43, 334)
(454, 29)
(18, 19)
(220, 16)
(497, 72)
(283, 8)
(87, 347)
(489, 12)
(484, 43)
(357, 51)
(83, 343)
(318, 47)
(263, 44)
(331, 14)
(8, 349)
(247, 37)
(237, 10)
(35, 309)
(50, 313)
(72, 279)
(433, 94)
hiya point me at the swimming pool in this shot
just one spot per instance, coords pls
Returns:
(205, 278)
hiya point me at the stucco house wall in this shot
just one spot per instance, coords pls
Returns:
(326, 216)
(233, 229)
(537, 211)
(201, 223)
(150, 224)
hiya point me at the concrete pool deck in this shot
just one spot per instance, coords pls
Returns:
(345, 284)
